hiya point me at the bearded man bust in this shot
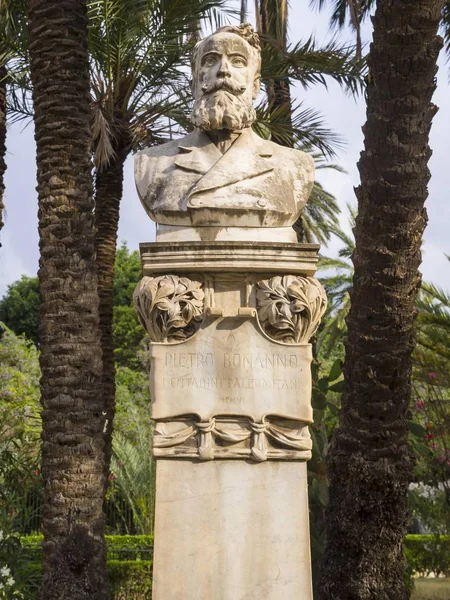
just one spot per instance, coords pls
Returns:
(223, 174)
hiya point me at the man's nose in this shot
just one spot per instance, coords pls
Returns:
(224, 69)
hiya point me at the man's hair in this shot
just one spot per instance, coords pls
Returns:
(245, 31)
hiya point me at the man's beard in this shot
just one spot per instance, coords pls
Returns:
(222, 106)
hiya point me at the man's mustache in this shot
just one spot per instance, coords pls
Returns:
(223, 84)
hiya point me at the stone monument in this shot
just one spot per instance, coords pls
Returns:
(229, 302)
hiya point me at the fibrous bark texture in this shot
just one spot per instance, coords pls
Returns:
(273, 19)
(71, 362)
(369, 466)
(108, 194)
(2, 139)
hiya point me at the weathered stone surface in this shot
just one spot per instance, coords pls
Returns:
(231, 530)
(256, 183)
(272, 438)
(174, 233)
(229, 301)
(230, 368)
(230, 256)
(223, 174)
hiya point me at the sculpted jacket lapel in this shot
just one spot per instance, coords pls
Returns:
(246, 158)
(197, 153)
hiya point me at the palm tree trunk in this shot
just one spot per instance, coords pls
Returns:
(272, 19)
(2, 139)
(71, 362)
(108, 194)
(273, 16)
(369, 464)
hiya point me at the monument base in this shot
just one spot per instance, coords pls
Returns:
(231, 530)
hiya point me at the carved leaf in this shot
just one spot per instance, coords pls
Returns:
(290, 307)
(169, 307)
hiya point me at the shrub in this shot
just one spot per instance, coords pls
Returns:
(428, 554)
(130, 579)
(119, 547)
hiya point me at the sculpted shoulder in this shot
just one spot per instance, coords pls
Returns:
(293, 157)
(149, 161)
(300, 165)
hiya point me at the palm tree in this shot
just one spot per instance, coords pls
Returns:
(347, 11)
(72, 436)
(338, 286)
(2, 138)
(139, 54)
(138, 80)
(305, 63)
(13, 31)
(446, 25)
(433, 329)
(369, 464)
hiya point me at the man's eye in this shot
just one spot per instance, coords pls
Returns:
(209, 62)
(238, 62)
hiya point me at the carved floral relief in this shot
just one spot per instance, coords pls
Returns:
(290, 307)
(169, 307)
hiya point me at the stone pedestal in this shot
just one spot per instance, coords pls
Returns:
(231, 530)
(230, 323)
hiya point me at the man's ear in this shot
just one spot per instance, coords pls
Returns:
(256, 86)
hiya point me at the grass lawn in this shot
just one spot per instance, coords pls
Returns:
(431, 589)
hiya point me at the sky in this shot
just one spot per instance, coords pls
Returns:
(19, 253)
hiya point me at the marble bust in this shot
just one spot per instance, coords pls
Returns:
(223, 174)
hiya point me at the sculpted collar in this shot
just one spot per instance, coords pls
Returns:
(247, 157)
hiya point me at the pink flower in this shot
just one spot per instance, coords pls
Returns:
(36, 473)
(112, 477)
(430, 436)
(420, 404)
(432, 376)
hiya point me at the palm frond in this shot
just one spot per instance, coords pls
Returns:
(310, 64)
(302, 125)
(133, 468)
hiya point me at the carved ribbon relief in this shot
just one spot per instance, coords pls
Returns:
(233, 437)
(169, 307)
(290, 307)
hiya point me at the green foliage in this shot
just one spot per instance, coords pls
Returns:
(132, 477)
(428, 554)
(325, 414)
(429, 507)
(128, 272)
(129, 580)
(16, 580)
(337, 284)
(127, 332)
(431, 408)
(425, 554)
(19, 381)
(132, 400)
(129, 563)
(132, 467)
(19, 431)
(19, 307)
(127, 547)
